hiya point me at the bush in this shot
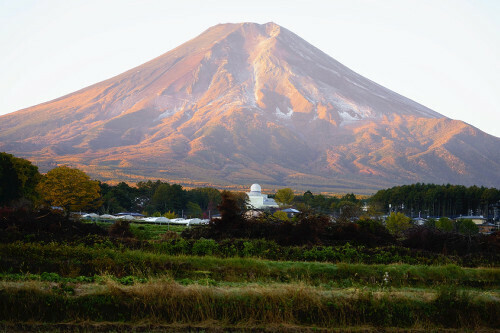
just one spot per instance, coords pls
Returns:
(435, 240)
(203, 247)
(170, 215)
(169, 235)
(280, 215)
(52, 277)
(121, 229)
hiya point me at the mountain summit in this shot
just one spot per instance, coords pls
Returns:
(245, 103)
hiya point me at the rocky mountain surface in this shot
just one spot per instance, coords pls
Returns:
(246, 103)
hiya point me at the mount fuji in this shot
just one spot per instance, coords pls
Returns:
(250, 103)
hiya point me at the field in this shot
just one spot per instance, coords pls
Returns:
(158, 283)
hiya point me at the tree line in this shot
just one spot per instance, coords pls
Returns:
(70, 190)
(437, 200)
(159, 198)
(332, 205)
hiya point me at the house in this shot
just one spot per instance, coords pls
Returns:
(487, 228)
(496, 211)
(477, 219)
(419, 221)
(290, 212)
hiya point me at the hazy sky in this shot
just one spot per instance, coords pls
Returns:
(444, 54)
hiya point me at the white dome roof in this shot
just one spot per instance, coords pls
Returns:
(255, 188)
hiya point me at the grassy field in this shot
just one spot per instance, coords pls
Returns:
(144, 231)
(146, 287)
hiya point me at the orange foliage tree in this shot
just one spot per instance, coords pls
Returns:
(69, 188)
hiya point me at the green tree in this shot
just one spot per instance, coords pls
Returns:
(10, 184)
(29, 176)
(284, 196)
(430, 223)
(348, 210)
(241, 200)
(118, 198)
(320, 203)
(307, 197)
(444, 224)
(18, 179)
(207, 197)
(145, 191)
(110, 204)
(69, 188)
(467, 227)
(280, 215)
(169, 197)
(124, 195)
(398, 222)
(162, 198)
(193, 209)
(349, 197)
(374, 210)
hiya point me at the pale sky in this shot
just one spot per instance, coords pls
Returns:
(444, 54)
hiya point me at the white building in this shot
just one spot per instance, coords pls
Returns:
(258, 200)
(476, 219)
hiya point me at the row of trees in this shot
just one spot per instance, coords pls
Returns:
(160, 198)
(72, 190)
(21, 184)
(437, 200)
(332, 205)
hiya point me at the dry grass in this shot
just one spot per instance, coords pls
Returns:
(297, 304)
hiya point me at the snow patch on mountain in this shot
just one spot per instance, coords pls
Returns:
(283, 115)
(169, 113)
(347, 117)
(350, 111)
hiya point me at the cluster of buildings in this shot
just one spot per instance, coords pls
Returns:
(484, 226)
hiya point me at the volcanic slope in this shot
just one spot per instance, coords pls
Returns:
(246, 103)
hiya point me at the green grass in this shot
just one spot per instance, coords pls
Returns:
(153, 231)
(73, 261)
(143, 231)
